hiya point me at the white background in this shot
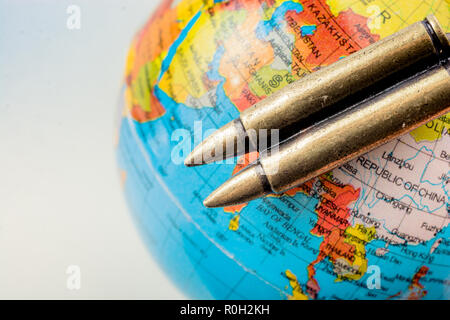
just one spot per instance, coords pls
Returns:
(60, 198)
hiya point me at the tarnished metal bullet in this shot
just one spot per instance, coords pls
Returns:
(328, 87)
(344, 136)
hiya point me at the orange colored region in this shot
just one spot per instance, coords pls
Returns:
(394, 296)
(417, 290)
(333, 214)
(156, 110)
(244, 55)
(305, 188)
(332, 210)
(334, 37)
(148, 48)
(243, 162)
(156, 36)
(246, 98)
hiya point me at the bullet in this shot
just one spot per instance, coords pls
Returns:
(327, 87)
(344, 136)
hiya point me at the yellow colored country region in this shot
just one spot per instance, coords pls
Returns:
(358, 236)
(387, 17)
(234, 223)
(141, 87)
(433, 130)
(297, 292)
(186, 9)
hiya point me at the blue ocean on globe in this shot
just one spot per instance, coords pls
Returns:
(375, 228)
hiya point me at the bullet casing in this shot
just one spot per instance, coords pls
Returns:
(344, 136)
(343, 78)
(329, 86)
(377, 108)
(331, 143)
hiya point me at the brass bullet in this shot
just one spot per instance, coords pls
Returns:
(344, 136)
(328, 87)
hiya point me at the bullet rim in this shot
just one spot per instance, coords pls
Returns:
(440, 35)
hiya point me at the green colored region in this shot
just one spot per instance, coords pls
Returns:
(143, 85)
(268, 80)
(432, 130)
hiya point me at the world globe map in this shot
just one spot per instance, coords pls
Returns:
(375, 228)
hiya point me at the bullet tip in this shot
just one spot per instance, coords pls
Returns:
(242, 187)
(209, 202)
(190, 160)
(221, 145)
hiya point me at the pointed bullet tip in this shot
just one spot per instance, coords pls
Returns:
(208, 203)
(195, 158)
(189, 161)
(242, 187)
(213, 201)
(216, 146)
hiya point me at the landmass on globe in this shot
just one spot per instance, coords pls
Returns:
(384, 214)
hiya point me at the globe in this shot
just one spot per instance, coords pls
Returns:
(374, 228)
